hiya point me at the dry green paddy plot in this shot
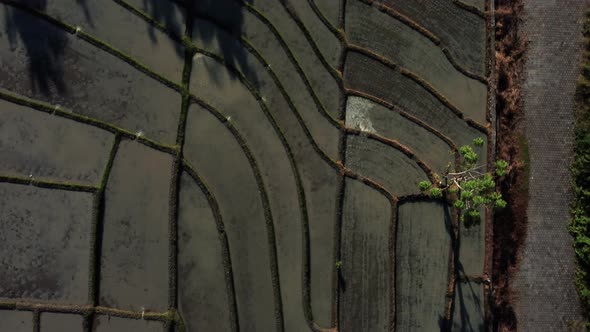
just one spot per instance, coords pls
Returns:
(16, 321)
(134, 266)
(45, 236)
(390, 85)
(398, 43)
(366, 279)
(206, 297)
(57, 322)
(460, 31)
(422, 253)
(384, 164)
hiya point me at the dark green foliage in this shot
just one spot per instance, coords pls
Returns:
(435, 193)
(469, 156)
(478, 141)
(501, 166)
(424, 185)
(580, 223)
(475, 188)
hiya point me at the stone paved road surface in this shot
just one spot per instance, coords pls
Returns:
(547, 297)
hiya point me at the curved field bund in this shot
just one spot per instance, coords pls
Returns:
(239, 165)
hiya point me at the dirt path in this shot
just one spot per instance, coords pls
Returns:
(547, 299)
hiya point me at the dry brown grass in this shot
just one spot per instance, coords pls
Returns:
(509, 224)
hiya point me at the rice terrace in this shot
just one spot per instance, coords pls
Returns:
(276, 165)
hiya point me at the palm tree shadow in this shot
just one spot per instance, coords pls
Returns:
(44, 46)
(165, 12)
(84, 5)
(226, 18)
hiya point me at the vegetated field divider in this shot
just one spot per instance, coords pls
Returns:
(403, 19)
(176, 173)
(96, 227)
(470, 8)
(126, 134)
(225, 250)
(399, 110)
(301, 194)
(257, 54)
(69, 186)
(336, 73)
(87, 310)
(397, 146)
(265, 203)
(256, 94)
(290, 56)
(36, 321)
(336, 31)
(58, 111)
(250, 48)
(428, 34)
(96, 233)
(417, 79)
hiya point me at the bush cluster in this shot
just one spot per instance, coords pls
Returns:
(580, 223)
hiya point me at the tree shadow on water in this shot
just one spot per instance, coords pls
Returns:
(165, 12)
(44, 45)
(222, 22)
(84, 5)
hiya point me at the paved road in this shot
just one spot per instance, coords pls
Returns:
(547, 297)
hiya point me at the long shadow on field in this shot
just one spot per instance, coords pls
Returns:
(465, 292)
(44, 46)
(164, 11)
(84, 5)
(226, 28)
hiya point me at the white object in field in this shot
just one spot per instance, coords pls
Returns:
(357, 117)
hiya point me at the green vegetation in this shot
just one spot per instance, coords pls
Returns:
(469, 188)
(580, 223)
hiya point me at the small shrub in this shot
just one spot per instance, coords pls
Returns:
(436, 193)
(478, 141)
(424, 185)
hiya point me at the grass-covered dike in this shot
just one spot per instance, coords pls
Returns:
(580, 222)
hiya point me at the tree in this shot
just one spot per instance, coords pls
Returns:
(469, 187)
